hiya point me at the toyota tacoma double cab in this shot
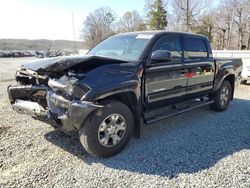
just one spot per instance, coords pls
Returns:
(126, 81)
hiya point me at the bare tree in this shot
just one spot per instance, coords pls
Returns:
(248, 32)
(206, 26)
(97, 26)
(232, 20)
(227, 26)
(189, 12)
(224, 25)
(131, 21)
(248, 28)
(241, 18)
(176, 18)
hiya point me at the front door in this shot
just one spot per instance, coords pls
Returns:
(165, 82)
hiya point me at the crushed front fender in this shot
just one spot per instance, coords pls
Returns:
(71, 114)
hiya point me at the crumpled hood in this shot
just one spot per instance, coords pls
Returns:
(59, 64)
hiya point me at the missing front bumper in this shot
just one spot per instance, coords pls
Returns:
(67, 115)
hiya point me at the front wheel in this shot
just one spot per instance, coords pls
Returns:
(108, 130)
(222, 97)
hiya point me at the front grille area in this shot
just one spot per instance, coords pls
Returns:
(34, 93)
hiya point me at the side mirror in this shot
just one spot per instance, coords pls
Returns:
(161, 56)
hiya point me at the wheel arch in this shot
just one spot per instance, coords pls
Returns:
(133, 102)
(228, 77)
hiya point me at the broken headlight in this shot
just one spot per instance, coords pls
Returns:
(68, 85)
(78, 91)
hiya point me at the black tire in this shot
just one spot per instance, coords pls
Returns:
(218, 104)
(244, 82)
(89, 133)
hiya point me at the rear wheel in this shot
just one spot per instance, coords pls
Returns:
(108, 130)
(222, 97)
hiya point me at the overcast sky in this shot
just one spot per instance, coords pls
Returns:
(52, 19)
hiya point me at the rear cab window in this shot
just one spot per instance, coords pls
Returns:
(196, 48)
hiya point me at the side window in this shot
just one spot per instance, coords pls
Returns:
(196, 48)
(170, 43)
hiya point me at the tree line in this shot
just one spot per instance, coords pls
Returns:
(227, 26)
(40, 44)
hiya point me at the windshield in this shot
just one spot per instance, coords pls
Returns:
(122, 47)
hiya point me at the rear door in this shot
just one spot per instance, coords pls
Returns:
(165, 82)
(200, 64)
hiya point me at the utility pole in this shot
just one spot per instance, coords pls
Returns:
(74, 34)
(248, 42)
(187, 15)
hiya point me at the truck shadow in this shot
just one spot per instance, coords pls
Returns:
(187, 143)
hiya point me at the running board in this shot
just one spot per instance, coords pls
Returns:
(174, 112)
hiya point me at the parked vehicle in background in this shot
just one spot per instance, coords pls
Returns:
(244, 54)
(16, 53)
(246, 72)
(13, 54)
(46, 54)
(27, 54)
(125, 81)
(40, 54)
(2, 54)
(32, 53)
(6, 54)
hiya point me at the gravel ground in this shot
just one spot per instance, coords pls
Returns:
(201, 148)
(9, 67)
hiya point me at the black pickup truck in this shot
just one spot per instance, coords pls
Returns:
(125, 81)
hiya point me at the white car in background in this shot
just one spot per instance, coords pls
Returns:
(246, 71)
(244, 54)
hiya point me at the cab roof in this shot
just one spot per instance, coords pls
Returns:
(160, 32)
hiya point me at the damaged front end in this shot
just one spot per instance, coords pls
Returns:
(57, 99)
